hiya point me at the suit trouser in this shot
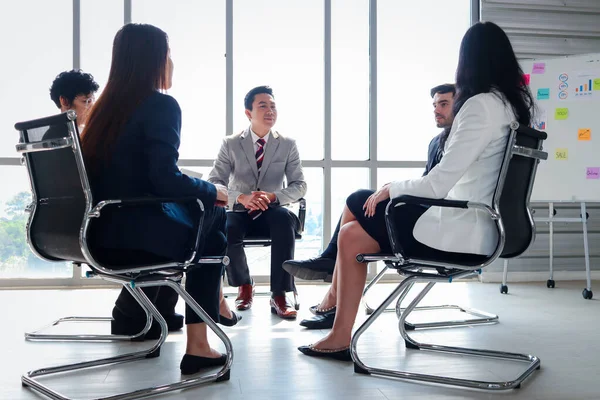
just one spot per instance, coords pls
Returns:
(202, 282)
(280, 225)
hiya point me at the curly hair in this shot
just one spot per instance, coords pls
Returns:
(70, 84)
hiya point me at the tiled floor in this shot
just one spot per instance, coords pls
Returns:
(557, 325)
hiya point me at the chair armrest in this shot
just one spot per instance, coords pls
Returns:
(141, 201)
(301, 211)
(406, 199)
(527, 131)
(302, 214)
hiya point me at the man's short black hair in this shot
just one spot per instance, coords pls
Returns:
(443, 89)
(70, 84)
(249, 99)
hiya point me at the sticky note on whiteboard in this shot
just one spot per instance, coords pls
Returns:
(543, 94)
(584, 134)
(561, 154)
(593, 173)
(596, 84)
(561, 113)
(538, 68)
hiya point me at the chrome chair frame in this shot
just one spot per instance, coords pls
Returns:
(421, 270)
(481, 317)
(133, 278)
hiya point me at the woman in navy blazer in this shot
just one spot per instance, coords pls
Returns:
(130, 145)
(490, 95)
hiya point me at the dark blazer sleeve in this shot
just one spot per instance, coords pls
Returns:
(432, 154)
(162, 128)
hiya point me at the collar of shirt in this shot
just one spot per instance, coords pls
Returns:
(255, 137)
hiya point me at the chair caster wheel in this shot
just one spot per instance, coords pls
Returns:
(587, 294)
(225, 377)
(503, 289)
(550, 283)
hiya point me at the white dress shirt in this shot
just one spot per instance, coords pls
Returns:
(468, 171)
(255, 138)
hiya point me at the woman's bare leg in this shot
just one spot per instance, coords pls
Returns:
(197, 341)
(224, 309)
(351, 280)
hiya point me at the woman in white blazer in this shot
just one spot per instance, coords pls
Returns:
(490, 94)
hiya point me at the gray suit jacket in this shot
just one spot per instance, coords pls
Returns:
(235, 167)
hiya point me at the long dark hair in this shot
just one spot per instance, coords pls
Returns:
(487, 62)
(138, 68)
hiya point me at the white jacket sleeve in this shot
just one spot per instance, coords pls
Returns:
(470, 136)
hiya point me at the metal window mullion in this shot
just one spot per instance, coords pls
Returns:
(372, 268)
(475, 11)
(229, 67)
(327, 123)
(76, 34)
(127, 11)
(373, 93)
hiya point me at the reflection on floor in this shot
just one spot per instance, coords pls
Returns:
(557, 325)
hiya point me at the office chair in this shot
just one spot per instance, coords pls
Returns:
(61, 212)
(516, 231)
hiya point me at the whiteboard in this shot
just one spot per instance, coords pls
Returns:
(567, 94)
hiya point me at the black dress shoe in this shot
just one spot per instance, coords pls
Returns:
(315, 310)
(314, 269)
(319, 321)
(340, 355)
(122, 324)
(133, 327)
(230, 321)
(174, 322)
(192, 364)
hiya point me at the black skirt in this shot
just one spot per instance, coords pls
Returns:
(375, 226)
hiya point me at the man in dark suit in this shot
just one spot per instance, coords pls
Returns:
(321, 268)
(74, 90)
(253, 165)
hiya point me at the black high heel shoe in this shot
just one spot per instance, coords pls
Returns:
(229, 321)
(193, 364)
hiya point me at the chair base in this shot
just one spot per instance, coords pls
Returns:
(480, 317)
(532, 362)
(37, 335)
(29, 378)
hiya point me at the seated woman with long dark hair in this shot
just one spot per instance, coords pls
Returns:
(490, 94)
(130, 146)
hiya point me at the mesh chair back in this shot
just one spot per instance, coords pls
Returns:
(57, 182)
(514, 190)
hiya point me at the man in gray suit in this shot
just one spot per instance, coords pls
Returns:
(253, 165)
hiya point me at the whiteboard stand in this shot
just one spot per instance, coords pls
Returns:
(583, 217)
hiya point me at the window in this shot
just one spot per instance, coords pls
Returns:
(350, 79)
(280, 44)
(344, 182)
(37, 47)
(196, 32)
(385, 175)
(418, 45)
(100, 21)
(16, 260)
